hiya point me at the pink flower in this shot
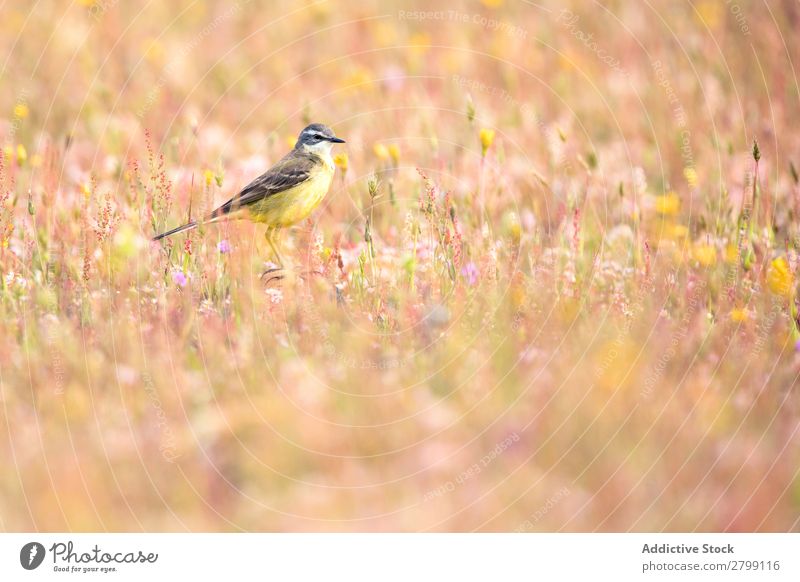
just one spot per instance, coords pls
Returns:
(224, 246)
(470, 273)
(179, 278)
(394, 78)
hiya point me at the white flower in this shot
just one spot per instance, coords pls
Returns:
(275, 295)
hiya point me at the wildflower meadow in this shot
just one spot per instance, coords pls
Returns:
(553, 286)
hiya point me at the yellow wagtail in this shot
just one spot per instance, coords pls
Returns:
(286, 193)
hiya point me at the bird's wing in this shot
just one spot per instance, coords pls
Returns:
(295, 168)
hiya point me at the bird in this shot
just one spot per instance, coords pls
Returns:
(285, 194)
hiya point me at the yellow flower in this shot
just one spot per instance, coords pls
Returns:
(22, 155)
(675, 231)
(668, 204)
(566, 61)
(21, 110)
(384, 34)
(569, 308)
(319, 10)
(153, 50)
(691, 176)
(381, 151)
(518, 298)
(705, 254)
(709, 12)
(86, 189)
(341, 161)
(739, 315)
(780, 278)
(731, 253)
(128, 242)
(359, 80)
(615, 362)
(209, 176)
(419, 42)
(487, 138)
(512, 226)
(394, 152)
(492, 3)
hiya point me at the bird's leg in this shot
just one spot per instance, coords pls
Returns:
(271, 236)
(273, 273)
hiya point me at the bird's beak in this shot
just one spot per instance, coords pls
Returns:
(336, 140)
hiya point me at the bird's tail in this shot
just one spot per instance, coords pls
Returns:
(188, 226)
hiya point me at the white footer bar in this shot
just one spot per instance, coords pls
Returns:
(401, 557)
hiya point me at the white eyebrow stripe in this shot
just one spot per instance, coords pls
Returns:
(313, 133)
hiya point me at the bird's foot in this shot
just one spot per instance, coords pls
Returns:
(310, 273)
(276, 273)
(273, 275)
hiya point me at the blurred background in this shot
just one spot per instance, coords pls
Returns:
(555, 289)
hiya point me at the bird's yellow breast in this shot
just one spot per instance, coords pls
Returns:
(295, 204)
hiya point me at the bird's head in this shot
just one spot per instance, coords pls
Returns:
(317, 138)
